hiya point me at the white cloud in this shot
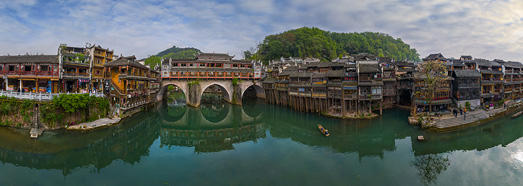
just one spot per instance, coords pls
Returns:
(484, 29)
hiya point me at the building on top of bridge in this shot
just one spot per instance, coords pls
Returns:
(210, 66)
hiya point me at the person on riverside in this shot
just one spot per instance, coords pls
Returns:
(465, 114)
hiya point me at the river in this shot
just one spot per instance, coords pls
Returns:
(263, 144)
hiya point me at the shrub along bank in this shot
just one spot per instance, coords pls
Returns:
(16, 113)
(66, 109)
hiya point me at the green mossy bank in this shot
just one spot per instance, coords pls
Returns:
(66, 109)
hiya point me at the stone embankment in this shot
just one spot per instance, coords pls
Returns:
(100, 123)
(472, 118)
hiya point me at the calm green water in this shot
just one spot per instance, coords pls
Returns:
(259, 144)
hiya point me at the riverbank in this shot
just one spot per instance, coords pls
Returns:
(475, 118)
(100, 123)
(450, 122)
(365, 116)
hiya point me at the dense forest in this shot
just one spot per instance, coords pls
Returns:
(313, 42)
(173, 52)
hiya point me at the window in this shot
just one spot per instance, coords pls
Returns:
(44, 68)
(202, 64)
(235, 65)
(27, 68)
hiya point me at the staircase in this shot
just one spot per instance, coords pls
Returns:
(117, 88)
(461, 120)
(36, 130)
(114, 83)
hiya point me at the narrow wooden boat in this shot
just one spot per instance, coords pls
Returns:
(323, 130)
(517, 114)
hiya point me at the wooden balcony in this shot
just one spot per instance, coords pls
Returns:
(31, 73)
(351, 96)
(80, 74)
(389, 92)
(370, 97)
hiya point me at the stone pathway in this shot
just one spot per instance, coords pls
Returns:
(472, 116)
(95, 124)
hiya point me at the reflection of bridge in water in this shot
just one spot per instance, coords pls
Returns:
(70, 150)
(219, 127)
(212, 127)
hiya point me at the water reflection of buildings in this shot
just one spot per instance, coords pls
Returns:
(368, 138)
(501, 132)
(212, 127)
(128, 142)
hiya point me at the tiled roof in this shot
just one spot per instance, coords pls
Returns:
(434, 57)
(29, 59)
(513, 64)
(486, 63)
(335, 73)
(214, 54)
(301, 74)
(467, 73)
(286, 72)
(124, 62)
(369, 68)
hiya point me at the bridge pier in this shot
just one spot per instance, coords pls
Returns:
(194, 96)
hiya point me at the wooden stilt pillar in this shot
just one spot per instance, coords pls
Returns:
(36, 86)
(381, 107)
(357, 107)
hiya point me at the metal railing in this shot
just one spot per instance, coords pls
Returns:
(39, 96)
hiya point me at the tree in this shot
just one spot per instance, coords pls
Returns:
(153, 61)
(247, 55)
(429, 167)
(312, 42)
(433, 75)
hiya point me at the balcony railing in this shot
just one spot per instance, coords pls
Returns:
(389, 92)
(47, 73)
(38, 96)
(370, 96)
(27, 73)
(70, 73)
(31, 73)
(351, 96)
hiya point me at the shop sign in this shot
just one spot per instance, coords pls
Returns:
(107, 86)
(83, 80)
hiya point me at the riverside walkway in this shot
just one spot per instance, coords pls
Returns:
(95, 124)
(450, 121)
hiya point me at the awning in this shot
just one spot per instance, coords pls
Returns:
(350, 88)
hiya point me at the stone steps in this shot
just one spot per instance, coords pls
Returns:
(456, 121)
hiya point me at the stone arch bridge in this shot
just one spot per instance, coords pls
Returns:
(193, 92)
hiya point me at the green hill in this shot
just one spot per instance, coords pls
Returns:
(313, 42)
(173, 52)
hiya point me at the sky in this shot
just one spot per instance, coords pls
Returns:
(489, 29)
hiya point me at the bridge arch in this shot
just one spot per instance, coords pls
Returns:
(259, 90)
(180, 84)
(227, 93)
